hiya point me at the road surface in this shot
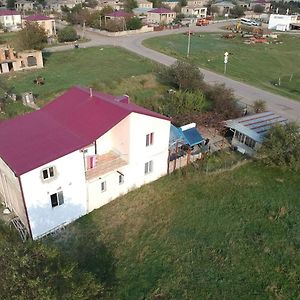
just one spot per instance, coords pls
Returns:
(247, 94)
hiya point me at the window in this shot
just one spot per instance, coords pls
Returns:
(57, 199)
(149, 139)
(148, 167)
(103, 186)
(48, 173)
(121, 178)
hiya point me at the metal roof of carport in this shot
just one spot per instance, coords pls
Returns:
(255, 126)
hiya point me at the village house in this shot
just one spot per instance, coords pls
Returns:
(43, 21)
(77, 153)
(223, 7)
(56, 5)
(160, 16)
(23, 5)
(247, 133)
(170, 3)
(10, 19)
(114, 4)
(17, 61)
(284, 22)
(194, 11)
(144, 4)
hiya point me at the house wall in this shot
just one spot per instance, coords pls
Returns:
(11, 21)
(129, 136)
(156, 18)
(171, 4)
(48, 25)
(70, 179)
(199, 12)
(22, 61)
(145, 4)
(10, 191)
(283, 20)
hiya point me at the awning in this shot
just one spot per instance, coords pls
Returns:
(192, 136)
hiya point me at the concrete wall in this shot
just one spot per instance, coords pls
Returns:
(199, 12)
(122, 33)
(11, 21)
(70, 179)
(283, 20)
(129, 139)
(156, 18)
(10, 191)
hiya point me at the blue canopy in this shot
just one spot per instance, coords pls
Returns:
(192, 136)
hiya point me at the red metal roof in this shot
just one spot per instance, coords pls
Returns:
(8, 12)
(37, 18)
(70, 122)
(161, 11)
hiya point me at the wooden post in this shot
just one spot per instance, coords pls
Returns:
(168, 171)
(176, 153)
(188, 156)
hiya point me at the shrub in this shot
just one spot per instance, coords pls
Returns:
(134, 23)
(67, 34)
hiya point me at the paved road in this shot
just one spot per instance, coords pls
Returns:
(286, 107)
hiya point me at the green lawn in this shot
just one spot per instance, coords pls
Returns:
(88, 67)
(232, 235)
(7, 37)
(261, 64)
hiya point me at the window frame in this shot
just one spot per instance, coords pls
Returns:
(121, 179)
(50, 172)
(60, 200)
(149, 139)
(103, 186)
(148, 167)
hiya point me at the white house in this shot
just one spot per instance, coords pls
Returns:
(144, 4)
(195, 11)
(160, 16)
(76, 154)
(10, 19)
(283, 22)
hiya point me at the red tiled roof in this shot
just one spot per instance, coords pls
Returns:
(161, 11)
(7, 12)
(37, 18)
(70, 122)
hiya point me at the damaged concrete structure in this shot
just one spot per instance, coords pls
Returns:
(11, 61)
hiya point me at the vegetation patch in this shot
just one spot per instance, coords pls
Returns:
(273, 66)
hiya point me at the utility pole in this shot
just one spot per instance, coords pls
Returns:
(83, 30)
(225, 61)
(189, 44)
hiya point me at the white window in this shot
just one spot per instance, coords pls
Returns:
(103, 186)
(57, 199)
(149, 139)
(48, 173)
(148, 167)
(121, 178)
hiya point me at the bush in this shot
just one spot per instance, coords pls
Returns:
(67, 34)
(182, 75)
(281, 146)
(258, 8)
(237, 11)
(114, 26)
(134, 23)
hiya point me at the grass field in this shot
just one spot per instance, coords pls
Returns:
(232, 235)
(261, 65)
(107, 69)
(87, 67)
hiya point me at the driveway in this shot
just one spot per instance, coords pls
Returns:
(247, 94)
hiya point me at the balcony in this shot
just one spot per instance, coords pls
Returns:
(105, 163)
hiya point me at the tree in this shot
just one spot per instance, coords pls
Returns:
(182, 75)
(223, 101)
(10, 4)
(134, 23)
(185, 102)
(259, 106)
(34, 270)
(129, 5)
(237, 11)
(281, 146)
(258, 9)
(67, 34)
(32, 36)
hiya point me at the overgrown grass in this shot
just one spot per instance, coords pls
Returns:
(233, 235)
(260, 64)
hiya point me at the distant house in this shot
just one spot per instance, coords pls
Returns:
(45, 22)
(170, 3)
(77, 153)
(265, 4)
(194, 11)
(11, 61)
(56, 5)
(144, 4)
(118, 15)
(160, 16)
(224, 7)
(23, 5)
(200, 3)
(248, 132)
(10, 19)
(283, 22)
(114, 4)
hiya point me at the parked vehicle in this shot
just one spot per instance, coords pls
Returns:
(245, 21)
(202, 22)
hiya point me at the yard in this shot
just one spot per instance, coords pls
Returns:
(261, 64)
(232, 235)
(107, 69)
